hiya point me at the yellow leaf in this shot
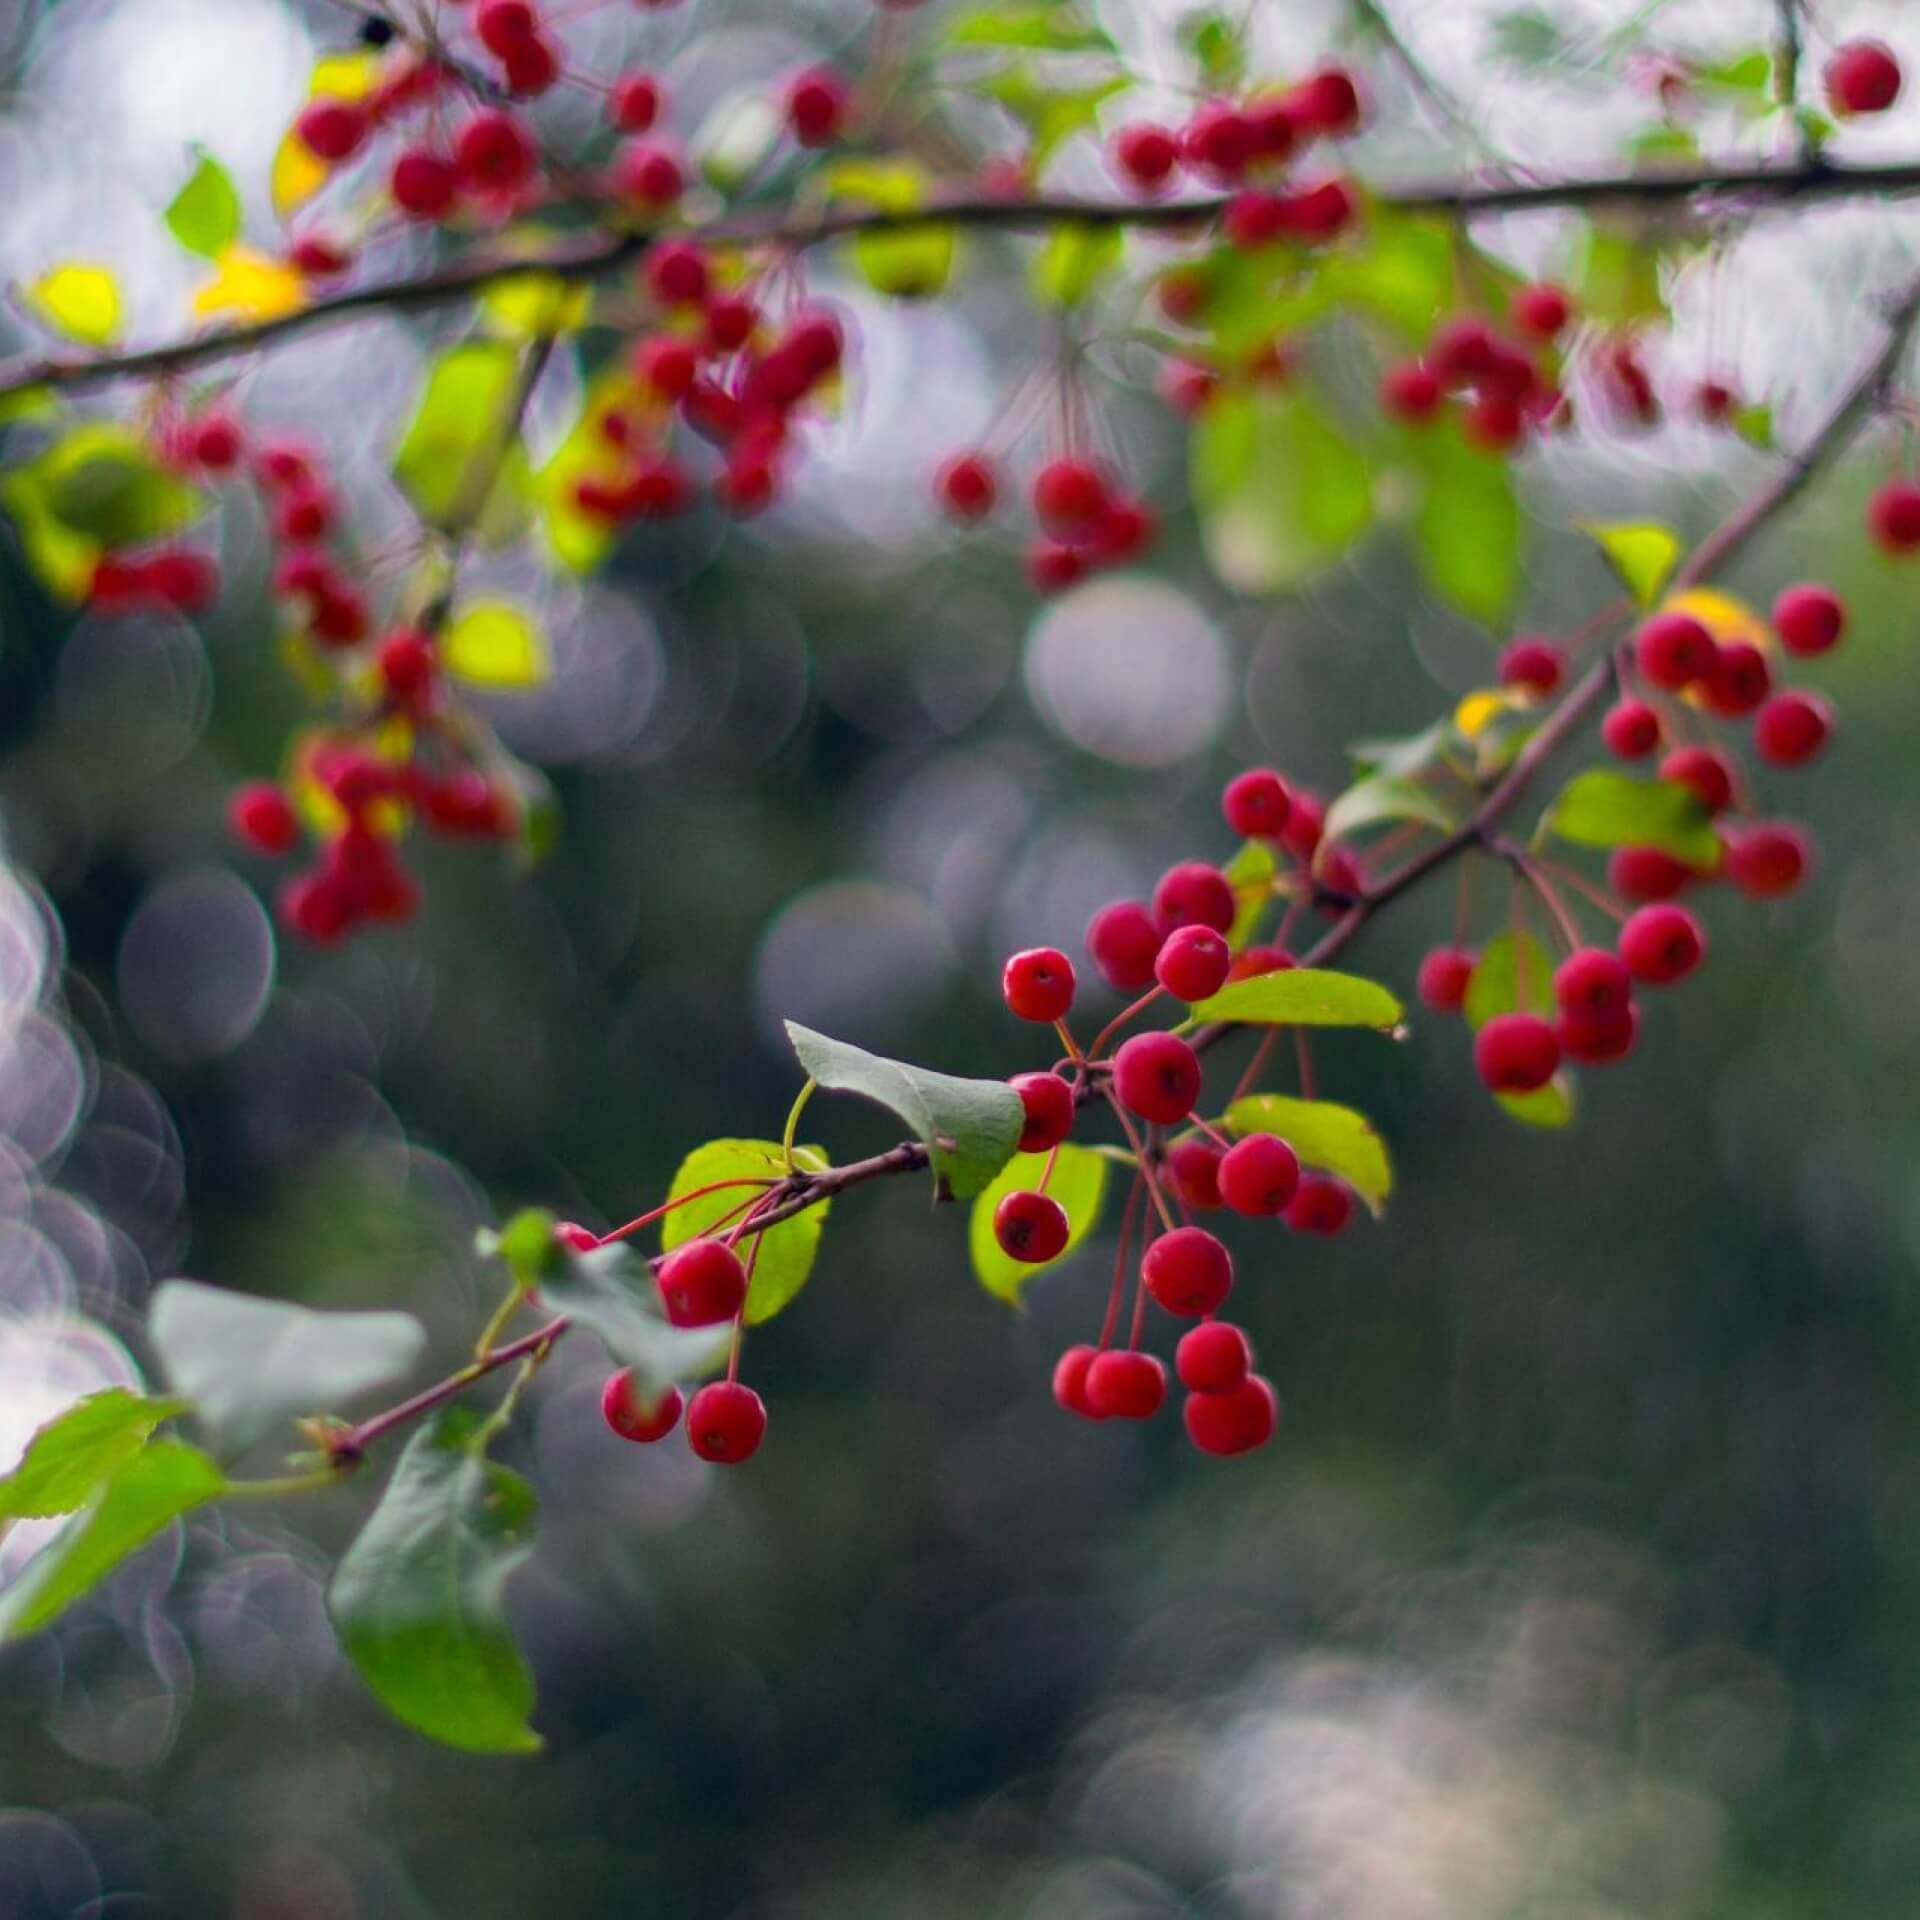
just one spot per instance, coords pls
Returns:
(492, 644)
(249, 286)
(298, 172)
(79, 300)
(1478, 711)
(531, 304)
(1723, 616)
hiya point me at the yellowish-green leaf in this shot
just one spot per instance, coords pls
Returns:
(1304, 997)
(1602, 808)
(785, 1255)
(1548, 1106)
(79, 300)
(1379, 798)
(1250, 873)
(1073, 260)
(1642, 555)
(67, 1457)
(1336, 1139)
(1468, 530)
(533, 305)
(462, 427)
(493, 644)
(204, 216)
(1509, 977)
(1079, 1183)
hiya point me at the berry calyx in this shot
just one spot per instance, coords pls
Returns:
(1791, 728)
(726, 1422)
(1188, 1272)
(702, 1283)
(1661, 944)
(1516, 1053)
(633, 1418)
(1259, 1175)
(1032, 1227)
(1809, 618)
(1157, 1076)
(1047, 1102)
(1125, 1386)
(1038, 984)
(1256, 803)
(1193, 963)
(1442, 980)
(1212, 1357)
(1237, 1420)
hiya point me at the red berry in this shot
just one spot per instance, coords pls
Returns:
(530, 68)
(633, 1418)
(1259, 1175)
(1305, 821)
(677, 273)
(1791, 728)
(494, 154)
(1410, 392)
(333, 130)
(1739, 679)
(1069, 495)
(1648, 873)
(502, 25)
(666, 365)
(423, 184)
(1599, 1039)
(1053, 566)
(1769, 859)
(1125, 1386)
(1320, 1206)
(1542, 310)
(406, 663)
(1893, 516)
(1674, 650)
(317, 907)
(1593, 983)
(1188, 1272)
(1537, 665)
(1032, 1227)
(1862, 77)
(816, 106)
(573, 1236)
(1516, 1053)
(967, 487)
(1253, 961)
(1218, 140)
(1463, 350)
(1193, 963)
(1038, 984)
(1157, 1076)
(1194, 894)
(303, 514)
(263, 817)
(285, 463)
(1194, 1168)
(1070, 1381)
(636, 101)
(1442, 980)
(648, 174)
(319, 257)
(729, 322)
(1145, 155)
(1662, 944)
(1126, 528)
(1707, 774)
(1183, 293)
(1277, 127)
(180, 578)
(213, 442)
(1494, 421)
(726, 1422)
(1047, 1102)
(702, 1283)
(1124, 943)
(1212, 1357)
(1327, 102)
(1256, 803)
(1236, 1420)
(1631, 730)
(1809, 618)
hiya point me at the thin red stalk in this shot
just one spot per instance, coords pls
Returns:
(1117, 1291)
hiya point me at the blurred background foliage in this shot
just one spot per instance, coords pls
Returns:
(1582, 1582)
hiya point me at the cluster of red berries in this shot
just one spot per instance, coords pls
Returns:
(1084, 520)
(1504, 386)
(716, 367)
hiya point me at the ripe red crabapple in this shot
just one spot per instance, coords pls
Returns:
(635, 102)
(1194, 1168)
(967, 487)
(1320, 1205)
(1598, 1040)
(1157, 1076)
(1674, 650)
(702, 1283)
(1038, 984)
(424, 186)
(1031, 1226)
(648, 174)
(1047, 1103)
(1193, 963)
(1537, 665)
(1070, 1381)
(1542, 310)
(333, 130)
(1442, 980)
(1593, 984)
(1212, 1357)
(1893, 517)
(1809, 618)
(1661, 944)
(1862, 77)
(494, 154)
(1707, 775)
(1259, 1176)
(1188, 1272)
(1516, 1053)
(1791, 728)
(1236, 1420)
(726, 1422)
(262, 816)
(1648, 873)
(1739, 679)
(1256, 803)
(1125, 1386)
(1069, 495)
(1410, 392)
(1124, 943)
(1327, 102)
(1768, 859)
(1217, 140)
(1194, 894)
(816, 106)
(1145, 155)
(633, 1418)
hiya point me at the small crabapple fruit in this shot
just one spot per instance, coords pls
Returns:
(1516, 1053)
(1032, 1227)
(1707, 775)
(816, 106)
(1038, 984)
(261, 816)
(1070, 1381)
(1188, 1272)
(1194, 894)
(333, 130)
(1809, 618)
(1069, 495)
(1259, 1175)
(1791, 728)
(1863, 76)
(1193, 963)
(1661, 944)
(702, 1283)
(1212, 1357)
(1893, 517)
(423, 184)
(1769, 859)
(1739, 679)
(635, 102)
(1442, 980)
(1256, 803)
(1125, 1386)
(1593, 983)
(1145, 155)
(1046, 1101)
(1648, 873)
(1674, 650)
(1542, 310)
(1157, 1076)
(1320, 1205)
(1194, 1168)
(1537, 665)
(633, 1418)
(726, 1422)
(1239, 1419)
(1631, 730)
(1410, 392)
(1598, 1040)
(1124, 943)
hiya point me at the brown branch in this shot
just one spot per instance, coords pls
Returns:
(602, 254)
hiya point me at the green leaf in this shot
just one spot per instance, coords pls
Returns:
(1379, 798)
(1548, 1106)
(76, 299)
(1073, 260)
(1304, 997)
(1467, 531)
(1602, 808)
(491, 644)
(1407, 271)
(463, 421)
(970, 1127)
(1409, 754)
(1052, 114)
(102, 482)
(786, 1250)
(62, 560)
(417, 1599)
(1217, 45)
(67, 1458)
(1617, 276)
(1079, 1183)
(534, 305)
(582, 541)
(1051, 29)
(1501, 973)
(250, 1365)
(611, 1292)
(1642, 555)
(1280, 490)
(156, 1486)
(1250, 874)
(1526, 37)
(204, 216)
(1749, 73)
(1754, 425)
(1334, 1138)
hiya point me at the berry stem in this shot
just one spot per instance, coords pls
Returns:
(1121, 1019)
(792, 1128)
